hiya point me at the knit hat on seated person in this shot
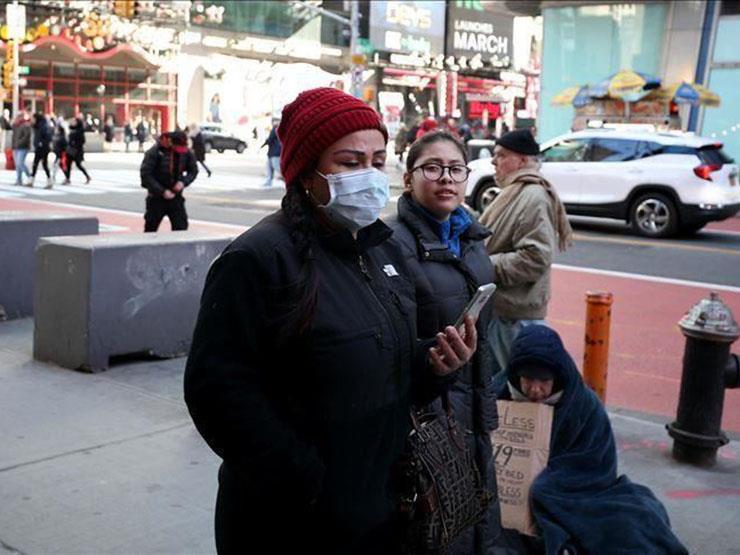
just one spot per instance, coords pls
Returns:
(315, 120)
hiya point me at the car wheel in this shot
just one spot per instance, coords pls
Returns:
(485, 195)
(654, 215)
(208, 146)
(240, 148)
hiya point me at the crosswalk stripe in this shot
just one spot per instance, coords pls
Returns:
(29, 191)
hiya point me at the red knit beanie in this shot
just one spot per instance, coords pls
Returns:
(315, 120)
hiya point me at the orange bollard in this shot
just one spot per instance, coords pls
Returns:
(596, 351)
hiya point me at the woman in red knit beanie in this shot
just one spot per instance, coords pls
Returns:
(305, 357)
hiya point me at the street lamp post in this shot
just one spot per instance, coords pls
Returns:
(356, 57)
(100, 89)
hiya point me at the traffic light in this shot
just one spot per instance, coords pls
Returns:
(8, 66)
(8, 75)
(126, 8)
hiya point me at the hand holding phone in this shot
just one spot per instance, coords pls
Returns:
(476, 304)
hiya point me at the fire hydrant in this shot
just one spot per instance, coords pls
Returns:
(708, 368)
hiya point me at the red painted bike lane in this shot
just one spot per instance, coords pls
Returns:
(111, 221)
(646, 346)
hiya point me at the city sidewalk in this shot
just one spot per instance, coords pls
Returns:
(111, 463)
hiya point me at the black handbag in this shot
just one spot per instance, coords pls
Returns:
(442, 491)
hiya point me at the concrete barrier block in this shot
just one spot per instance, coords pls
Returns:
(19, 234)
(119, 294)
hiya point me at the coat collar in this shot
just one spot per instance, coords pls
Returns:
(430, 245)
(341, 241)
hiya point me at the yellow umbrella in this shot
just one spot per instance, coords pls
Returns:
(565, 97)
(707, 97)
(626, 82)
(688, 93)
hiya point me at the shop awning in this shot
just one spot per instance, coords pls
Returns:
(60, 49)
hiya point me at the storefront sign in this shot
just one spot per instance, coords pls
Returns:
(408, 27)
(477, 29)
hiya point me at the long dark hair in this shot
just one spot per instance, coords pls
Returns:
(417, 149)
(303, 231)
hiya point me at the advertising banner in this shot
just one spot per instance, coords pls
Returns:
(408, 27)
(478, 28)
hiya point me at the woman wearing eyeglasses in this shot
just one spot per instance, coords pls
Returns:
(443, 245)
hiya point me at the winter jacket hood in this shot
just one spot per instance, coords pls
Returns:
(578, 499)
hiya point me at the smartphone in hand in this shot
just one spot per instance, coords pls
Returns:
(476, 304)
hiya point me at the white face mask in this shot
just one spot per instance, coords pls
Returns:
(356, 197)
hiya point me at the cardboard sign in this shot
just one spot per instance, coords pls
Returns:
(521, 446)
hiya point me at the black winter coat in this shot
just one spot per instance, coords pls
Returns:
(162, 167)
(41, 135)
(444, 285)
(199, 147)
(76, 143)
(309, 428)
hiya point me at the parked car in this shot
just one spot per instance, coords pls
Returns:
(217, 138)
(659, 183)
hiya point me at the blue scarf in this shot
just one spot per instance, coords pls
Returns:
(450, 230)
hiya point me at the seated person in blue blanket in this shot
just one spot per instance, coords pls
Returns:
(579, 502)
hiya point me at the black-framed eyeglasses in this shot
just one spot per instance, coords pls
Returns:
(434, 172)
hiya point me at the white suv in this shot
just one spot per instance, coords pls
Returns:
(660, 183)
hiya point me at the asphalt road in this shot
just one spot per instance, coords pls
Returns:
(235, 195)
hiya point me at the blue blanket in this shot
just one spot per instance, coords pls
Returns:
(579, 501)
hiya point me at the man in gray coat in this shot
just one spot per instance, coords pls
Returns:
(527, 223)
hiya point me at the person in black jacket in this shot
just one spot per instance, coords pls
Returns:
(443, 245)
(42, 146)
(59, 147)
(76, 150)
(199, 147)
(305, 356)
(168, 167)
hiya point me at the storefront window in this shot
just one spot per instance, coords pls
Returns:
(114, 74)
(723, 122)
(89, 88)
(160, 78)
(138, 93)
(64, 88)
(64, 108)
(585, 44)
(63, 70)
(38, 69)
(89, 72)
(136, 75)
(92, 108)
(159, 95)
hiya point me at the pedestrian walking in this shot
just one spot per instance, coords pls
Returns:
(128, 134)
(109, 130)
(579, 502)
(59, 146)
(527, 223)
(76, 150)
(199, 146)
(304, 390)
(401, 143)
(443, 246)
(21, 144)
(273, 153)
(42, 146)
(427, 125)
(141, 134)
(168, 167)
